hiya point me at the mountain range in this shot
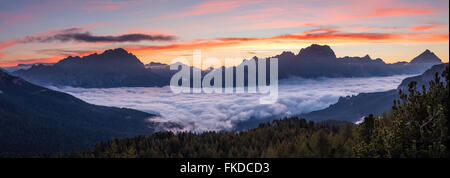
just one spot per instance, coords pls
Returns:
(321, 61)
(37, 119)
(119, 68)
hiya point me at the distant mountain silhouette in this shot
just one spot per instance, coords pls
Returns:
(118, 68)
(353, 108)
(112, 68)
(156, 65)
(426, 57)
(162, 70)
(38, 119)
(320, 61)
(23, 66)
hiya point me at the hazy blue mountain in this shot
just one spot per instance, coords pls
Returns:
(22, 66)
(37, 119)
(353, 108)
(162, 70)
(112, 68)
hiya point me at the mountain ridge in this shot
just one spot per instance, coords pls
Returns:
(119, 68)
(353, 108)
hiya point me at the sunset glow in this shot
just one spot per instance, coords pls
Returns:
(394, 30)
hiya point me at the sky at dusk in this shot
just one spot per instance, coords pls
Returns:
(394, 30)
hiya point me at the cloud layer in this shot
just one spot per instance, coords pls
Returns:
(201, 112)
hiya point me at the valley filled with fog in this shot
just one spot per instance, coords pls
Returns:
(202, 112)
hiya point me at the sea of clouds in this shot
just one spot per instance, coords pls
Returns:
(202, 112)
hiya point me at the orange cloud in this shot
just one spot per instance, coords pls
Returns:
(386, 12)
(321, 30)
(426, 27)
(4, 45)
(193, 44)
(211, 7)
(275, 24)
(422, 28)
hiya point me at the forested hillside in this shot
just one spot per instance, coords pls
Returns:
(353, 108)
(34, 119)
(417, 126)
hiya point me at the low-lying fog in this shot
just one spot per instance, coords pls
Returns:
(200, 112)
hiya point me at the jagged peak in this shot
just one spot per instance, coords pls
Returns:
(116, 51)
(315, 50)
(112, 59)
(287, 53)
(427, 57)
(73, 57)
